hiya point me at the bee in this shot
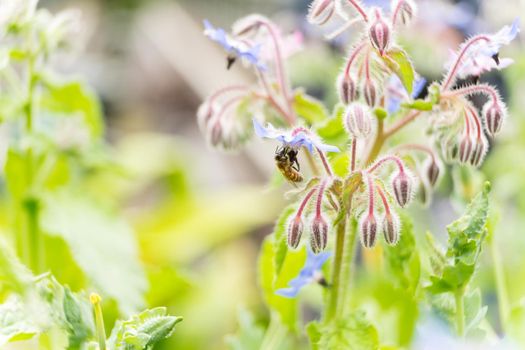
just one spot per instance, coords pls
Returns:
(287, 163)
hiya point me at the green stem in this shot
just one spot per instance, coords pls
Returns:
(460, 312)
(501, 286)
(99, 320)
(335, 287)
(348, 261)
(378, 143)
(275, 334)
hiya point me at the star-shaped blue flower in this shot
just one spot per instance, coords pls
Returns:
(295, 138)
(308, 274)
(394, 99)
(237, 48)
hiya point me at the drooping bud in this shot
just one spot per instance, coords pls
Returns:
(215, 134)
(370, 93)
(391, 227)
(295, 231)
(357, 120)
(450, 149)
(205, 113)
(494, 114)
(319, 235)
(402, 187)
(379, 32)
(346, 88)
(403, 11)
(479, 151)
(465, 148)
(432, 171)
(320, 11)
(368, 230)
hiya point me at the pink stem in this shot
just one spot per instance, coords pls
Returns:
(353, 56)
(383, 199)
(354, 148)
(370, 194)
(227, 89)
(289, 118)
(359, 9)
(305, 202)
(475, 89)
(325, 162)
(467, 121)
(367, 66)
(320, 194)
(453, 71)
(476, 120)
(400, 124)
(386, 159)
(413, 146)
(227, 105)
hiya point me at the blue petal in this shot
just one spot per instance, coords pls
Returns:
(418, 86)
(514, 29)
(328, 148)
(260, 130)
(287, 292)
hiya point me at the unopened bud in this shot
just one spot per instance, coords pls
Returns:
(368, 230)
(321, 11)
(379, 32)
(432, 171)
(450, 149)
(479, 151)
(494, 114)
(391, 228)
(216, 134)
(466, 146)
(357, 120)
(346, 87)
(319, 236)
(295, 231)
(370, 93)
(405, 10)
(402, 187)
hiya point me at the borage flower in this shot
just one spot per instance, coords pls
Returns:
(295, 138)
(310, 273)
(237, 48)
(397, 93)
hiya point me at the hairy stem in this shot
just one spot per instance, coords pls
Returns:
(377, 145)
(460, 312)
(335, 288)
(346, 273)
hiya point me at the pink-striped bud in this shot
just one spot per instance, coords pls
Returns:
(494, 114)
(357, 120)
(215, 134)
(478, 152)
(370, 93)
(466, 146)
(402, 187)
(432, 171)
(346, 88)
(320, 11)
(403, 11)
(379, 32)
(205, 113)
(391, 228)
(295, 231)
(368, 230)
(450, 149)
(319, 236)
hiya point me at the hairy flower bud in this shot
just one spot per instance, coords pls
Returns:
(494, 115)
(432, 171)
(450, 149)
(479, 151)
(346, 88)
(391, 228)
(402, 187)
(465, 149)
(403, 10)
(319, 235)
(357, 120)
(295, 231)
(370, 93)
(368, 230)
(205, 113)
(321, 11)
(379, 32)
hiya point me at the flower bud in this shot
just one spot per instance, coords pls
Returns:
(295, 231)
(215, 134)
(432, 171)
(402, 187)
(494, 115)
(450, 149)
(379, 33)
(357, 120)
(465, 149)
(346, 88)
(321, 11)
(479, 151)
(368, 230)
(370, 93)
(319, 236)
(205, 113)
(391, 228)
(405, 10)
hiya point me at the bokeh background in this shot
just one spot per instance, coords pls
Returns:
(200, 215)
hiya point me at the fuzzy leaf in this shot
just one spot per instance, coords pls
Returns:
(249, 336)
(421, 105)
(332, 129)
(280, 238)
(15, 322)
(352, 333)
(309, 108)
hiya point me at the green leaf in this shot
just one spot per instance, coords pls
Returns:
(15, 322)
(143, 331)
(280, 238)
(13, 273)
(249, 336)
(421, 105)
(313, 330)
(70, 98)
(332, 129)
(309, 108)
(351, 333)
(102, 245)
(79, 319)
(474, 311)
(398, 61)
